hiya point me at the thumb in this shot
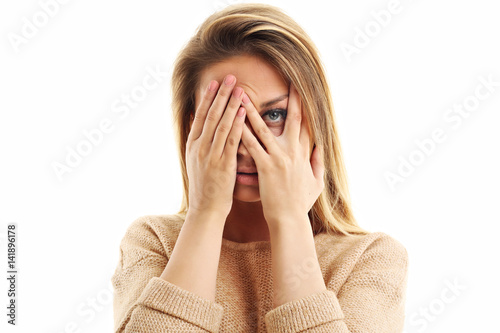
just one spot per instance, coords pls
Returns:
(317, 163)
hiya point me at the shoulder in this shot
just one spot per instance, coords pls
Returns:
(374, 254)
(156, 224)
(382, 251)
(361, 245)
(156, 233)
(383, 244)
(370, 243)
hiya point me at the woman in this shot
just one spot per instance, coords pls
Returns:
(265, 240)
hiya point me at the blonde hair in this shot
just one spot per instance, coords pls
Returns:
(266, 32)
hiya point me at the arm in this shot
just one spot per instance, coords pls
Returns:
(181, 292)
(195, 257)
(301, 299)
(295, 268)
(371, 299)
(146, 301)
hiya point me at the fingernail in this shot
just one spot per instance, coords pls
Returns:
(237, 91)
(229, 80)
(245, 99)
(241, 112)
(212, 86)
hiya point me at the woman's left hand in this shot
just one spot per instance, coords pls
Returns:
(289, 180)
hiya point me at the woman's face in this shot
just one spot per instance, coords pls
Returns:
(268, 93)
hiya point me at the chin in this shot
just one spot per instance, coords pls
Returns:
(246, 193)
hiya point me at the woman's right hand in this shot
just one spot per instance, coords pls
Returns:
(211, 148)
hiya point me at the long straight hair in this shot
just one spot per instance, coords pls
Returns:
(266, 32)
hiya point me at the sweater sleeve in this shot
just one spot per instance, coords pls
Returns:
(371, 299)
(143, 302)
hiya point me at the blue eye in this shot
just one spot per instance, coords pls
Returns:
(274, 114)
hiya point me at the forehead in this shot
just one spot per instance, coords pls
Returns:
(260, 80)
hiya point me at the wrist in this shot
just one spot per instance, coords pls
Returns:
(287, 222)
(206, 217)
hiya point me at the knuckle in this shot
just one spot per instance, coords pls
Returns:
(251, 145)
(211, 116)
(231, 141)
(198, 117)
(282, 163)
(208, 96)
(263, 130)
(297, 117)
(234, 102)
(223, 128)
(224, 92)
(296, 152)
(211, 164)
(200, 154)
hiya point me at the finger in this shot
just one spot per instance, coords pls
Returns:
(226, 123)
(201, 111)
(259, 126)
(253, 145)
(305, 137)
(217, 108)
(233, 140)
(294, 115)
(317, 163)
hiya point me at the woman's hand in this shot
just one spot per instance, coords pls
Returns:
(211, 148)
(290, 181)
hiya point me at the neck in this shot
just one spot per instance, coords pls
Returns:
(246, 223)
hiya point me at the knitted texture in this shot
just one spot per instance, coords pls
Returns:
(365, 277)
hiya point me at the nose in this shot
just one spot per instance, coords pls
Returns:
(242, 150)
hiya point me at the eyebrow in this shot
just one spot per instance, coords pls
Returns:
(273, 101)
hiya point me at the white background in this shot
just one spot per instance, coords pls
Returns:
(397, 89)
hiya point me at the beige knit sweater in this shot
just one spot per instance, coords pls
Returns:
(365, 278)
